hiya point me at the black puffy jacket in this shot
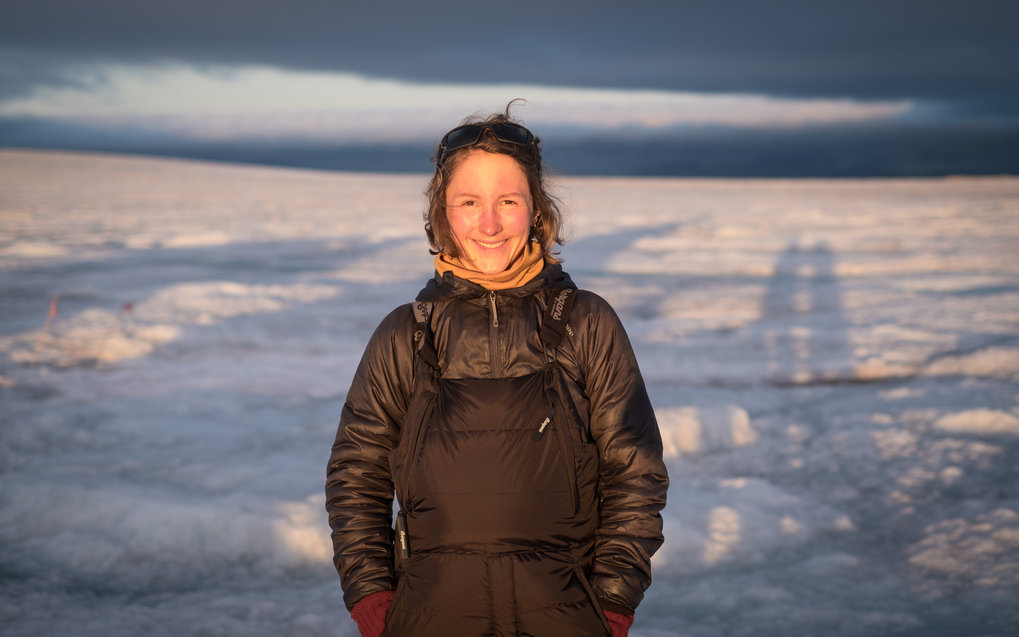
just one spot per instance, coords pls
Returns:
(499, 543)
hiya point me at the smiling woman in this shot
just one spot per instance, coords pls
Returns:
(489, 203)
(488, 208)
(506, 411)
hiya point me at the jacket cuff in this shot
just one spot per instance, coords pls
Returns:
(615, 608)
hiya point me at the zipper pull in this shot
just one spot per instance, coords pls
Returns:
(402, 544)
(544, 424)
(495, 313)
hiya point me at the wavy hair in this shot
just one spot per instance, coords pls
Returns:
(548, 227)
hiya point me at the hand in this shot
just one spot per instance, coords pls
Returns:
(370, 613)
(620, 623)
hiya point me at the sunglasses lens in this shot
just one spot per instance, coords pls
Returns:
(512, 133)
(461, 137)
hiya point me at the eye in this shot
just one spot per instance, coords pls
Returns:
(510, 202)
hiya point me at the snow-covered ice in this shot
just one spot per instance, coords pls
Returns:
(834, 364)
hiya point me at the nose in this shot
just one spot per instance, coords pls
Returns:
(489, 224)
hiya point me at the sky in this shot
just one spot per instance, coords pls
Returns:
(783, 88)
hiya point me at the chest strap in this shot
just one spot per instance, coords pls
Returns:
(554, 327)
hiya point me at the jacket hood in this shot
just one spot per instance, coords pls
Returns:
(448, 285)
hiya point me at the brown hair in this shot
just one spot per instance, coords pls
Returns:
(548, 227)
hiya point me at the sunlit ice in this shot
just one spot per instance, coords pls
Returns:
(178, 335)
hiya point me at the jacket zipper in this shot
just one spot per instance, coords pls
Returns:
(544, 423)
(419, 432)
(495, 312)
(569, 463)
(559, 422)
(493, 337)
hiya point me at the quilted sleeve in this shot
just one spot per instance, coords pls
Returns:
(632, 477)
(359, 487)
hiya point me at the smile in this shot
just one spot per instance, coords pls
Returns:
(489, 245)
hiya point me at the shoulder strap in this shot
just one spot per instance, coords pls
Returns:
(425, 341)
(554, 326)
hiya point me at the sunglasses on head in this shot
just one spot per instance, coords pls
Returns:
(470, 134)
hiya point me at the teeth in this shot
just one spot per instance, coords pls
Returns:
(489, 245)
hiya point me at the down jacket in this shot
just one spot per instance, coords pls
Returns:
(494, 523)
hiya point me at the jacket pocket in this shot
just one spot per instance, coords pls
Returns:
(593, 599)
(405, 456)
(569, 461)
(561, 424)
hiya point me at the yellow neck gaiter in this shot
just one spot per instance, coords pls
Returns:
(525, 267)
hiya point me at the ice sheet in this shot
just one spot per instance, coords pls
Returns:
(834, 365)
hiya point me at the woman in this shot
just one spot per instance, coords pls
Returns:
(506, 410)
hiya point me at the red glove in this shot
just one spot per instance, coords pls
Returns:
(620, 623)
(370, 613)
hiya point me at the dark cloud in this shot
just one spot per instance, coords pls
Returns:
(955, 60)
(862, 150)
(20, 70)
(864, 49)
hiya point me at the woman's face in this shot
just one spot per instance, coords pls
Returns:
(488, 205)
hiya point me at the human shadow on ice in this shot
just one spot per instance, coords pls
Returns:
(801, 337)
(802, 330)
(851, 475)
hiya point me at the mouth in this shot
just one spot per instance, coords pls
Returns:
(495, 244)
